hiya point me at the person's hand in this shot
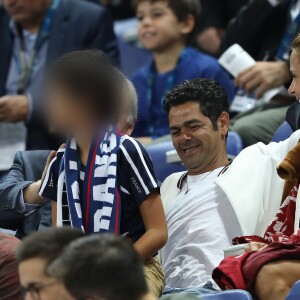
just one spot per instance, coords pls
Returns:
(263, 76)
(210, 40)
(255, 246)
(13, 108)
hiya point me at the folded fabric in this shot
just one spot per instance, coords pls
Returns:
(240, 272)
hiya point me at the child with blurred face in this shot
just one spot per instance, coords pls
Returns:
(103, 180)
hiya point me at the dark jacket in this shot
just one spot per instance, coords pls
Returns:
(27, 168)
(216, 13)
(77, 25)
(258, 28)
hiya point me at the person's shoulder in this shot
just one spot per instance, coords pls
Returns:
(200, 59)
(83, 9)
(132, 145)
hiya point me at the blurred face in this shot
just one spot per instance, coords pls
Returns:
(25, 11)
(66, 116)
(197, 143)
(295, 72)
(158, 27)
(37, 284)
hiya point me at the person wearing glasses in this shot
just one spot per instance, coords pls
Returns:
(104, 268)
(35, 254)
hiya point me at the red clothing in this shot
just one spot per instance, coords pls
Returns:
(240, 272)
(10, 288)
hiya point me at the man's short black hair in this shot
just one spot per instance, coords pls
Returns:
(48, 244)
(208, 93)
(105, 267)
(90, 77)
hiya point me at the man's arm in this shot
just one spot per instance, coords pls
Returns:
(12, 186)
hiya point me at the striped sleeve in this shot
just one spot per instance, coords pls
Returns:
(48, 189)
(136, 170)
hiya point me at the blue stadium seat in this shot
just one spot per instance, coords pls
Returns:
(158, 155)
(295, 292)
(234, 144)
(132, 57)
(282, 133)
(229, 295)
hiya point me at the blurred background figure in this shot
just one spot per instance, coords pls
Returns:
(35, 32)
(213, 22)
(268, 41)
(120, 9)
(10, 288)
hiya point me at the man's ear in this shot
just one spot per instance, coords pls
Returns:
(224, 123)
(188, 25)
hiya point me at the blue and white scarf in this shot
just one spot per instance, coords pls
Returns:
(97, 207)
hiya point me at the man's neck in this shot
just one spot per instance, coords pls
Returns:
(34, 25)
(166, 60)
(213, 165)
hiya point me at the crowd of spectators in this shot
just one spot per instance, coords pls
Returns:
(74, 134)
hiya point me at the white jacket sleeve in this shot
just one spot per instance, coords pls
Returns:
(253, 186)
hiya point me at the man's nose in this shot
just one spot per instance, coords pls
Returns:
(292, 88)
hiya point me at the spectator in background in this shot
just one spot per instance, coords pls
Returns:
(21, 185)
(165, 27)
(274, 24)
(33, 33)
(105, 267)
(10, 287)
(35, 254)
(120, 9)
(214, 18)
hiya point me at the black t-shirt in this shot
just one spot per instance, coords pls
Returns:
(135, 179)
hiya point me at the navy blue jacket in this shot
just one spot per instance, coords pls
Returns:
(77, 25)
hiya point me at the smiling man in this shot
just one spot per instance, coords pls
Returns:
(201, 220)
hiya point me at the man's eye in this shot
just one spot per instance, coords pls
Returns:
(176, 132)
(140, 18)
(158, 14)
(195, 127)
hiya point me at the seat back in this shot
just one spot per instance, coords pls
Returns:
(295, 292)
(282, 133)
(234, 144)
(158, 154)
(228, 295)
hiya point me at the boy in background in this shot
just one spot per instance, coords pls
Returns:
(165, 28)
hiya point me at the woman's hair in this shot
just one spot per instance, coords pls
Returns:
(90, 78)
(296, 44)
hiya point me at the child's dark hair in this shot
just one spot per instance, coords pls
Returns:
(211, 97)
(181, 9)
(88, 75)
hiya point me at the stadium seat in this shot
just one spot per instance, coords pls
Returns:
(282, 133)
(132, 57)
(230, 295)
(295, 292)
(234, 144)
(158, 155)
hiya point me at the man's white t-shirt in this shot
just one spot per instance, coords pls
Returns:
(201, 224)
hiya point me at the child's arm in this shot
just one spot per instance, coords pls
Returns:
(156, 234)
